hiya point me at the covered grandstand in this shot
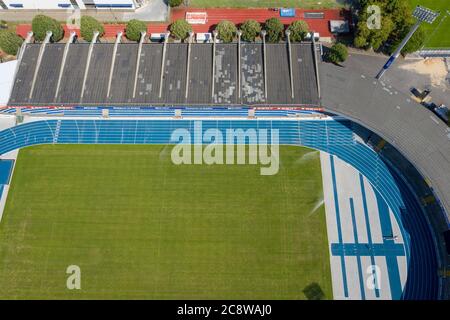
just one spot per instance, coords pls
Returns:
(166, 74)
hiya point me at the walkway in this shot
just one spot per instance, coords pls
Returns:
(155, 10)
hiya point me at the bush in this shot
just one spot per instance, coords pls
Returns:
(250, 30)
(134, 29)
(88, 26)
(299, 29)
(274, 29)
(10, 42)
(226, 30)
(41, 24)
(180, 29)
(175, 3)
(338, 53)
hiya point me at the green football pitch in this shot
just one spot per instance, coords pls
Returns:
(438, 35)
(140, 227)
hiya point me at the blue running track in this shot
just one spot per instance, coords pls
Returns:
(335, 137)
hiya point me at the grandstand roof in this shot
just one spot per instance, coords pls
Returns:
(37, 78)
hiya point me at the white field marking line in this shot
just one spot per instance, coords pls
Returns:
(160, 229)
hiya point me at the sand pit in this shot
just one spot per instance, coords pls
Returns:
(433, 67)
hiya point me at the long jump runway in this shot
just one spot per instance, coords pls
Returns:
(367, 253)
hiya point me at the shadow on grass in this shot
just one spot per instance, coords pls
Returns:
(313, 291)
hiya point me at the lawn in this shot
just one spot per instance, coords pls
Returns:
(307, 4)
(140, 227)
(438, 33)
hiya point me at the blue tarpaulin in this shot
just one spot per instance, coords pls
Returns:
(287, 12)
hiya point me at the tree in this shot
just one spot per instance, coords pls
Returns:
(175, 3)
(41, 24)
(180, 29)
(226, 30)
(10, 42)
(88, 26)
(362, 36)
(299, 29)
(337, 53)
(250, 30)
(396, 21)
(274, 29)
(134, 29)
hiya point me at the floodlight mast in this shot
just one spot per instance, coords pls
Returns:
(422, 15)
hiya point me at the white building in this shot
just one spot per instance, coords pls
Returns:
(69, 4)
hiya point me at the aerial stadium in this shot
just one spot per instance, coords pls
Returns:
(356, 209)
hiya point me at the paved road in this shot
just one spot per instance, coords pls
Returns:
(154, 10)
(415, 131)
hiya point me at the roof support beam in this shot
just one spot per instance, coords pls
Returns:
(188, 68)
(88, 63)
(63, 63)
(113, 62)
(24, 45)
(263, 35)
(141, 41)
(163, 62)
(38, 62)
(291, 75)
(239, 33)
(316, 66)
(213, 63)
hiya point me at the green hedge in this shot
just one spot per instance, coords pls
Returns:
(10, 42)
(41, 24)
(299, 29)
(180, 29)
(175, 3)
(88, 26)
(134, 29)
(226, 30)
(274, 29)
(250, 30)
(338, 53)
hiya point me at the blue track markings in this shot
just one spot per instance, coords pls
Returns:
(391, 260)
(338, 222)
(358, 257)
(366, 249)
(366, 216)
